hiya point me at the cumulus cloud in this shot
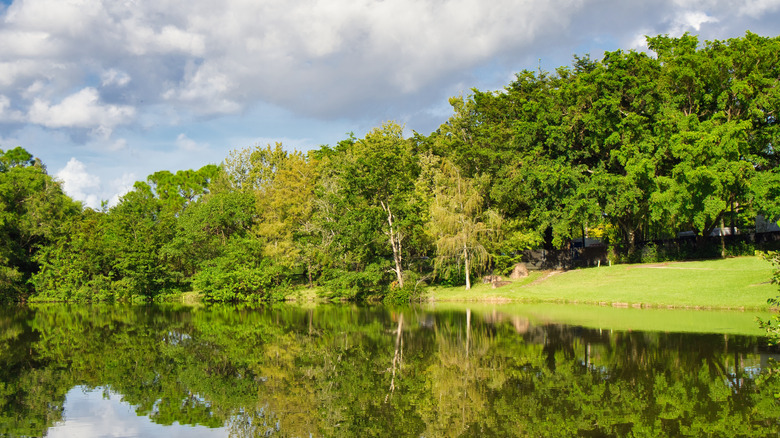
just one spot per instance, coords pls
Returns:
(117, 145)
(690, 21)
(187, 144)
(82, 185)
(318, 57)
(321, 58)
(79, 184)
(118, 187)
(82, 109)
(94, 70)
(114, 77)
(756, 8)
(6, 113)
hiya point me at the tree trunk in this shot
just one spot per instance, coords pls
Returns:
(466, 262)
(395, 243)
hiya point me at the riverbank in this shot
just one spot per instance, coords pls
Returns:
(733, 283)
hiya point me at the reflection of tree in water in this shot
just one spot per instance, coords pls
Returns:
(358, 371)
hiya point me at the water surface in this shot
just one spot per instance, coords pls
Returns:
(376, 371)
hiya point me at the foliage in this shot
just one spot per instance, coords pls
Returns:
(32, 210)
(123, 253)
(772, 326)
(632, 148)
(458, 224)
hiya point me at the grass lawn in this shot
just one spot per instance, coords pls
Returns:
(734, 283)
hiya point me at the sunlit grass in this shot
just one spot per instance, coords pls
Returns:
(734, 283)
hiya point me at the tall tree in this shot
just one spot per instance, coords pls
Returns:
(721, 104)
(381, 170)
(458, 223)
(33, 208)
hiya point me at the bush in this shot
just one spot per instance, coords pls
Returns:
(374, 280)
(414, 288)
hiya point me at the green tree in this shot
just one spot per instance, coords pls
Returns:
(381, 169)
(366, 210)
(458, 223)
(77, 266)
(33, 208)
(721, 108)
(177, 191)
(137, 230)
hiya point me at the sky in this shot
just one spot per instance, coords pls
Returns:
(100, 412)
(107, 92)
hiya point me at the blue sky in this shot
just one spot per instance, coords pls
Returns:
(106, 92)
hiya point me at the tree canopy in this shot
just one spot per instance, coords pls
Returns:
(632, 148)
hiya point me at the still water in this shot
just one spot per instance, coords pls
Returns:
(340, 370)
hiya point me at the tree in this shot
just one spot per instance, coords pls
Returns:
(284, 202)
(382, 170)
(77, 266)
(177, 191)
(720, 108)
(366, 207)
(137, 229)
(458, 223)
(33, 208)
(772, 326)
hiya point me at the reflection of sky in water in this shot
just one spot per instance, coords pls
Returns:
(95, 413)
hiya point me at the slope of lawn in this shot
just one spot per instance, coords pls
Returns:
(734, 283)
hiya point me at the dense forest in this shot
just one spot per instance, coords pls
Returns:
(631, 148)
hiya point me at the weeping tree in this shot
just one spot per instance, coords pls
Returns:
(458, 223)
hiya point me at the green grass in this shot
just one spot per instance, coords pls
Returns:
(307, 295)
(734, 283)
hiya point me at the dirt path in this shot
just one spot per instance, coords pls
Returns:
(544, 277)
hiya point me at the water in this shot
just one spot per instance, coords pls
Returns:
(342, 370)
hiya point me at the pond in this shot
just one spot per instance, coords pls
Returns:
(345, 370)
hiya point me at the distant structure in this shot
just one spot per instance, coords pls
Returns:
(766, 226)
(593, 252)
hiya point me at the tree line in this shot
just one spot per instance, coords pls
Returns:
(629, 148)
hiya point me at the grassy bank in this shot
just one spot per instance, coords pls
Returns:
(734, 283)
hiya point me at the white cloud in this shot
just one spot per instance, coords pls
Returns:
(12, 71)
(690, 21)
(119, 186)
(82, 109)
(321, 58)
(639, 41)
(25, 43)
(118, 145)
(114, 77)
(187, 144)
(102, 412)
(756, 8)
(80, 184)
(7, 114)
(170, 39)
(87, 72)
